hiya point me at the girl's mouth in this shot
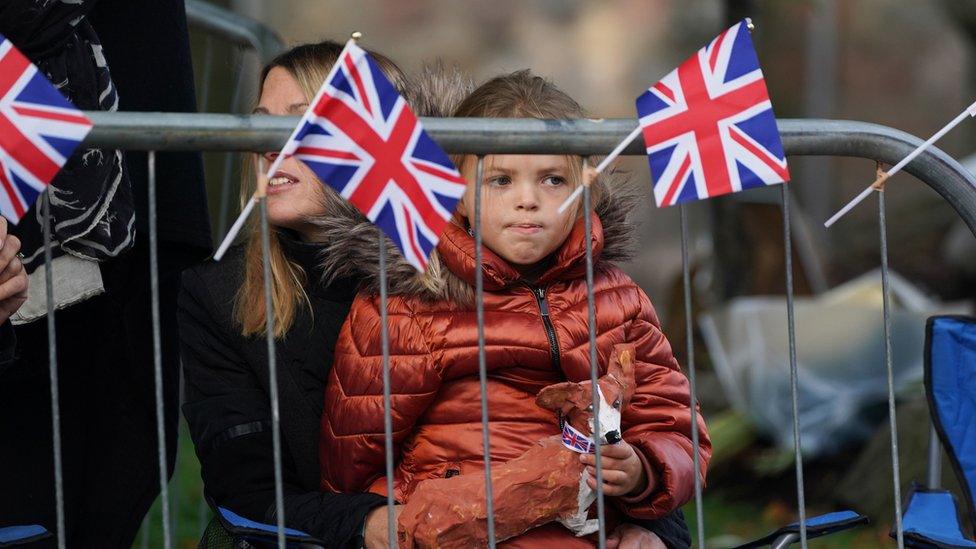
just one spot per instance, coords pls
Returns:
(525, 228)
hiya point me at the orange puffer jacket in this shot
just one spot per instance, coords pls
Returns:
(535, 335)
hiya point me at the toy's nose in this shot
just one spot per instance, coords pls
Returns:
(613, 437)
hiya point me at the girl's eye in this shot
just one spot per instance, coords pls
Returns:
(499, 181)
(554, 180)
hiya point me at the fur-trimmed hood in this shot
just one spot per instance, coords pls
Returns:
(350, 241)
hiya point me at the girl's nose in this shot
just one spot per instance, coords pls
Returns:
(527, 198)
(269, 158)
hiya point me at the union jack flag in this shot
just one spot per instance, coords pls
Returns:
(577, 441)
(39, 129)
(360, 137)
(709, 125)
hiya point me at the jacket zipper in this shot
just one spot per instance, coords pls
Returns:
(540, 298)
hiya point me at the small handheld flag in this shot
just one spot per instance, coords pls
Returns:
(709, 126)
(39, 129)
(362, 140)
(360, 137)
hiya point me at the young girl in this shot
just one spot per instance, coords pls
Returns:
(536, 334)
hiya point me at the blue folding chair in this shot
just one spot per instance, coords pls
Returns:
(228, 530)
(11, 536)
(932, 516)
(818, 526)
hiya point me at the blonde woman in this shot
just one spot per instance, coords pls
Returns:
(222, 325)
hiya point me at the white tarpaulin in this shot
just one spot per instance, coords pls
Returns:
(840, 358)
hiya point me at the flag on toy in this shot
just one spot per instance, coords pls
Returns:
(709, 126)
(39, 129)
(360, 137)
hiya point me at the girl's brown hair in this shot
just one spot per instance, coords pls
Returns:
(309, 64)
(521, 94)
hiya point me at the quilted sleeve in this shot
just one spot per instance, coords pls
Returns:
(658, 420)
(352, 448)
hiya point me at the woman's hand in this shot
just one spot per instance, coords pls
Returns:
(623, 471)
(377, 532)
(13, 277)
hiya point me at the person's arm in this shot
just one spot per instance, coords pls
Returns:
(657, 423)
(352, 453)
(229, 416)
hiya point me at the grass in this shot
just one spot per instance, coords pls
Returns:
(729, 523)
(189, 513)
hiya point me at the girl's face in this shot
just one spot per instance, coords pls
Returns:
(294, 192)
(520, 198)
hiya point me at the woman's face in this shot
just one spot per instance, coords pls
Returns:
(294, 192)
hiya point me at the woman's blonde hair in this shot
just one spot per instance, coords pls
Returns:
(521, 94)
(309, 64)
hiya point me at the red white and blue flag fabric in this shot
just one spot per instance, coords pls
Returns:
(360, 137)
(709, 126)
(577, 441)
(39, 129)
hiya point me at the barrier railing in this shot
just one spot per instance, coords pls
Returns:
(234, 28)
(219, 132)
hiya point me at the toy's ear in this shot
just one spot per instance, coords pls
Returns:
(622, 368)
(559, 397)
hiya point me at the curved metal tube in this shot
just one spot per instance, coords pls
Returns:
(801, 137)
(235, 27)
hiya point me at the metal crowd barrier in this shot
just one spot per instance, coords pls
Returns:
(220, 132)
(235, 28)
(211, 28)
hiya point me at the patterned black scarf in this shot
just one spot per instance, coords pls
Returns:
(92, 210)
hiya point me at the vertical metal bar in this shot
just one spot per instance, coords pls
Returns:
(893, 420)
(591, 321)
(794, 382)
(479, 294)
(272, 369)
(52, 368)
(157, 351)
(690, 352)
(207, 70)
(229, 159)
(387, 400)
(934, 476)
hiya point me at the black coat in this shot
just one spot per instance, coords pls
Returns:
(147, 47)
(227, 403)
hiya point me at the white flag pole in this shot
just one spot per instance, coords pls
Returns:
(602, 166)
(879, 182)
(284, 153)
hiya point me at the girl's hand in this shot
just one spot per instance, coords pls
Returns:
(623, 471)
